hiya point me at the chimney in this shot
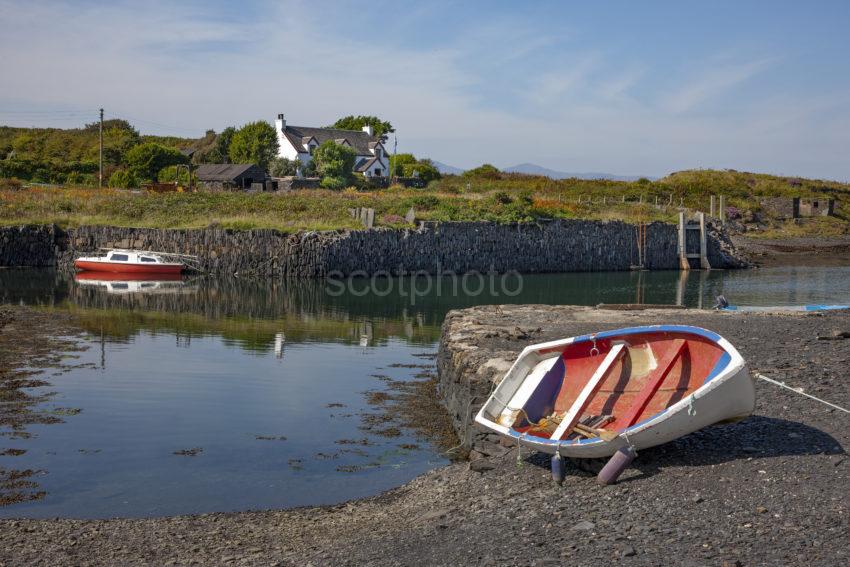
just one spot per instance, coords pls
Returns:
(280, 123)
(368, 130)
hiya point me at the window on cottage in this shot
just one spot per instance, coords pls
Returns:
(312, 147)
(378, 172)
(378, 152)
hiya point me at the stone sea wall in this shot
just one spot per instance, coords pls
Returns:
(552, 246)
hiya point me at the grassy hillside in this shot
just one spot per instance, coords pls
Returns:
(497, 197)
(71, 156)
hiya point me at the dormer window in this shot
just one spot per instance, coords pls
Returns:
(378, 152)
(311, 148)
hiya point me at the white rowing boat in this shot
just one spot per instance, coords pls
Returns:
(589, 396)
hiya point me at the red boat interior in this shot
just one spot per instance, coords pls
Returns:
(618, 383)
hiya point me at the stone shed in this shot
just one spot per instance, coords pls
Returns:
(231, 176)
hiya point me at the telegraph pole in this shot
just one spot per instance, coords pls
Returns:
(100, 176)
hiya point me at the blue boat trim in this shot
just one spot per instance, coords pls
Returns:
(719, 367)
(654, 328)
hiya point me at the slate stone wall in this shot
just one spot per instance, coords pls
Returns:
(554, 246)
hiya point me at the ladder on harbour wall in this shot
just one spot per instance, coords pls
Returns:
(684, 255)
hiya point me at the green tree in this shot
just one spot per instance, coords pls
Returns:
(283, 167)
(381, 128)
(220, 152)
(255, 142)
(334, 163)
(145, 160)
(123, 179)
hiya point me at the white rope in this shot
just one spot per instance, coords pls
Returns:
(796, 391)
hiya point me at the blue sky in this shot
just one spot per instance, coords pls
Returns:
(620, 87)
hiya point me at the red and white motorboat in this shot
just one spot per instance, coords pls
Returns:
(132, 262)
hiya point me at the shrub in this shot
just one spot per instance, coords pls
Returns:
(502, 198)
(169, 175)
(334, 163)
(146, 160)
(283, 167)
(11, 184)
(123, 179)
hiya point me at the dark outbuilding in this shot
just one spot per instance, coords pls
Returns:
(230, 175)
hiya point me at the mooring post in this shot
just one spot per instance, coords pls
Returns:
(712, 206)
(683, 255)
(722, 212)
(703, 243)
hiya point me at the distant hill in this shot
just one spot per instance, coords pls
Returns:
(447, 169)
(534, 169)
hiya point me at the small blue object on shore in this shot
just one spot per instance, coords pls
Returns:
(780, 308)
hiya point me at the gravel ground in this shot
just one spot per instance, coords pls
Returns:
(771, 490)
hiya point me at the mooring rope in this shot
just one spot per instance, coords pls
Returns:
(796, 391)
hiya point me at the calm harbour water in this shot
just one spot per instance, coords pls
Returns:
(266, 378)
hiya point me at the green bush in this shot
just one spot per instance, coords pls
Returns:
(283, 167)
(169, 174)
(334, 163)
(123, 179)
(146, 160)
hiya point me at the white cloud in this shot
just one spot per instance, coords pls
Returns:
(502, 92)
(713, 81)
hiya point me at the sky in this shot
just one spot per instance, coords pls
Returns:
(630, 88)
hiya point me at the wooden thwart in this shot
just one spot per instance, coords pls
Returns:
(590, 389)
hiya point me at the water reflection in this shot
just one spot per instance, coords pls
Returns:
(268, 378)
(133, 283)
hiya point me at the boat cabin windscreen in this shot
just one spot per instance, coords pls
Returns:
(148, 259)
(118, 258)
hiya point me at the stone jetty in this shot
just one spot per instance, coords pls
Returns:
(433, 248)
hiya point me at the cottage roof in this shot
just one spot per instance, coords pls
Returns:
(364, 164)
(360, 141)
(222, 171)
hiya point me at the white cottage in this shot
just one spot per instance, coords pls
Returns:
(299, 142)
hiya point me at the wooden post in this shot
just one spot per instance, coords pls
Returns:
(722, 212)
(712, 206)
(703, 246)
(683, 256)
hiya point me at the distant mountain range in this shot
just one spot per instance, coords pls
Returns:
(447, 169)
(534, 169)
